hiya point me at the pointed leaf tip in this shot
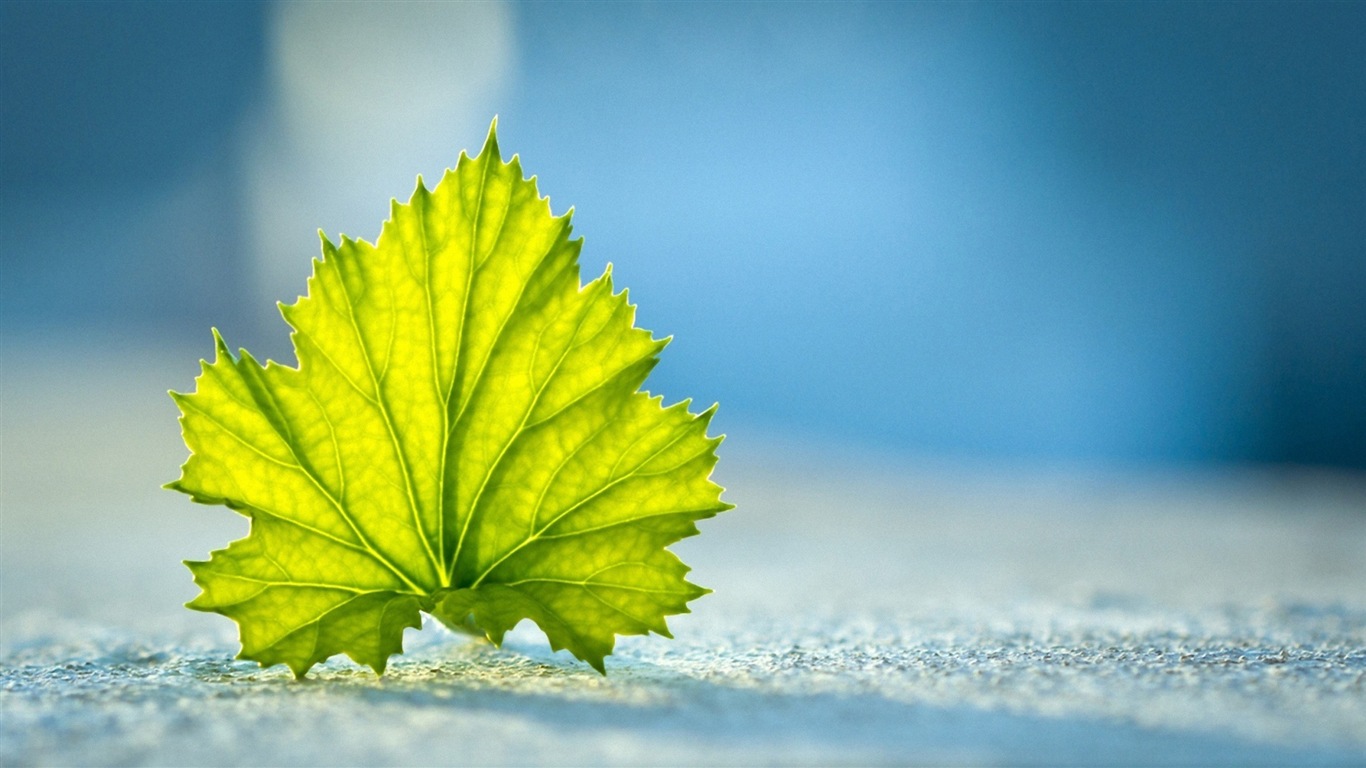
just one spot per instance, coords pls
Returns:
(491, 143)
(221, 347)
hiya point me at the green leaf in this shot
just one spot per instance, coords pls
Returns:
(464, 435)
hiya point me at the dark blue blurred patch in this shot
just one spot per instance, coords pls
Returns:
(120, 188)
(121, 94)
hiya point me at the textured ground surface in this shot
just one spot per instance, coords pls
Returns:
(866, 611)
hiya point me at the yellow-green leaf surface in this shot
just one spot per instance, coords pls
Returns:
(464, 435)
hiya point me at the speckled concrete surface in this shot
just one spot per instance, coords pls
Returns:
(868, 610)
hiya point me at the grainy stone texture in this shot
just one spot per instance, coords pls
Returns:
(868, 610)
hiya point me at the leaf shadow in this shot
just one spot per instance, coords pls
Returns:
(684, 705)
(471, 703)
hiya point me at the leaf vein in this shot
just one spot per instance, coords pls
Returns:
(572, 508)
(317, 484)
(393, 434)
(443, 396)
(512, 440)
(718, 507)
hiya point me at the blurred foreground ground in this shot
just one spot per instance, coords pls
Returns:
(867, 610)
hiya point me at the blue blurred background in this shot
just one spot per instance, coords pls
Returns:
(1111, 234)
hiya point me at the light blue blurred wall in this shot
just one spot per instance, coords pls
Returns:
(1113, 233)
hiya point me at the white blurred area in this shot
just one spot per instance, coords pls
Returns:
(360, 100)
